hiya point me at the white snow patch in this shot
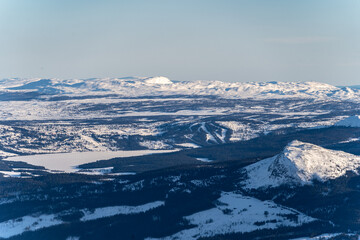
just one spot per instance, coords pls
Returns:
(209, 136)
(240, 131)
(222, 136)
(350, 140)
(95, 146)
(116, 210)
(27, 223)
(11, 173)
(236, 213)
(188, 145)
(204, 160)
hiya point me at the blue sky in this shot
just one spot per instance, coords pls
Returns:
(228, 40)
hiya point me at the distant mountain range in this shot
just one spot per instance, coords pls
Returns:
(162, 86)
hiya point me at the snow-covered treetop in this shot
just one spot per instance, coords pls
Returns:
(160, 86)
(300, 163)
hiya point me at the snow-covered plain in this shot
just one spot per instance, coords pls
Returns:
(236, 213)
(300, 163)
(67, 162)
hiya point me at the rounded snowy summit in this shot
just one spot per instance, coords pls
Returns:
(300, 163)
(158, 80)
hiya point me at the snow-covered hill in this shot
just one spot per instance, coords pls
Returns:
(159, 86)
(300, 163)
(352, 121)
(236, 213)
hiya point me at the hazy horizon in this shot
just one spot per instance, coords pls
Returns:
(176, 80)
(233, 41)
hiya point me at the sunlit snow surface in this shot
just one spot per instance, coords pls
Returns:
(236, 213)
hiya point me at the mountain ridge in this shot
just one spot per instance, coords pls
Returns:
(159, 86)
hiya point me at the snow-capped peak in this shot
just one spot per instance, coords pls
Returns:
(300, 163)
(352, 121)
(158, 80)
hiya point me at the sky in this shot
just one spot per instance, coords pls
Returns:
(226, 40)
